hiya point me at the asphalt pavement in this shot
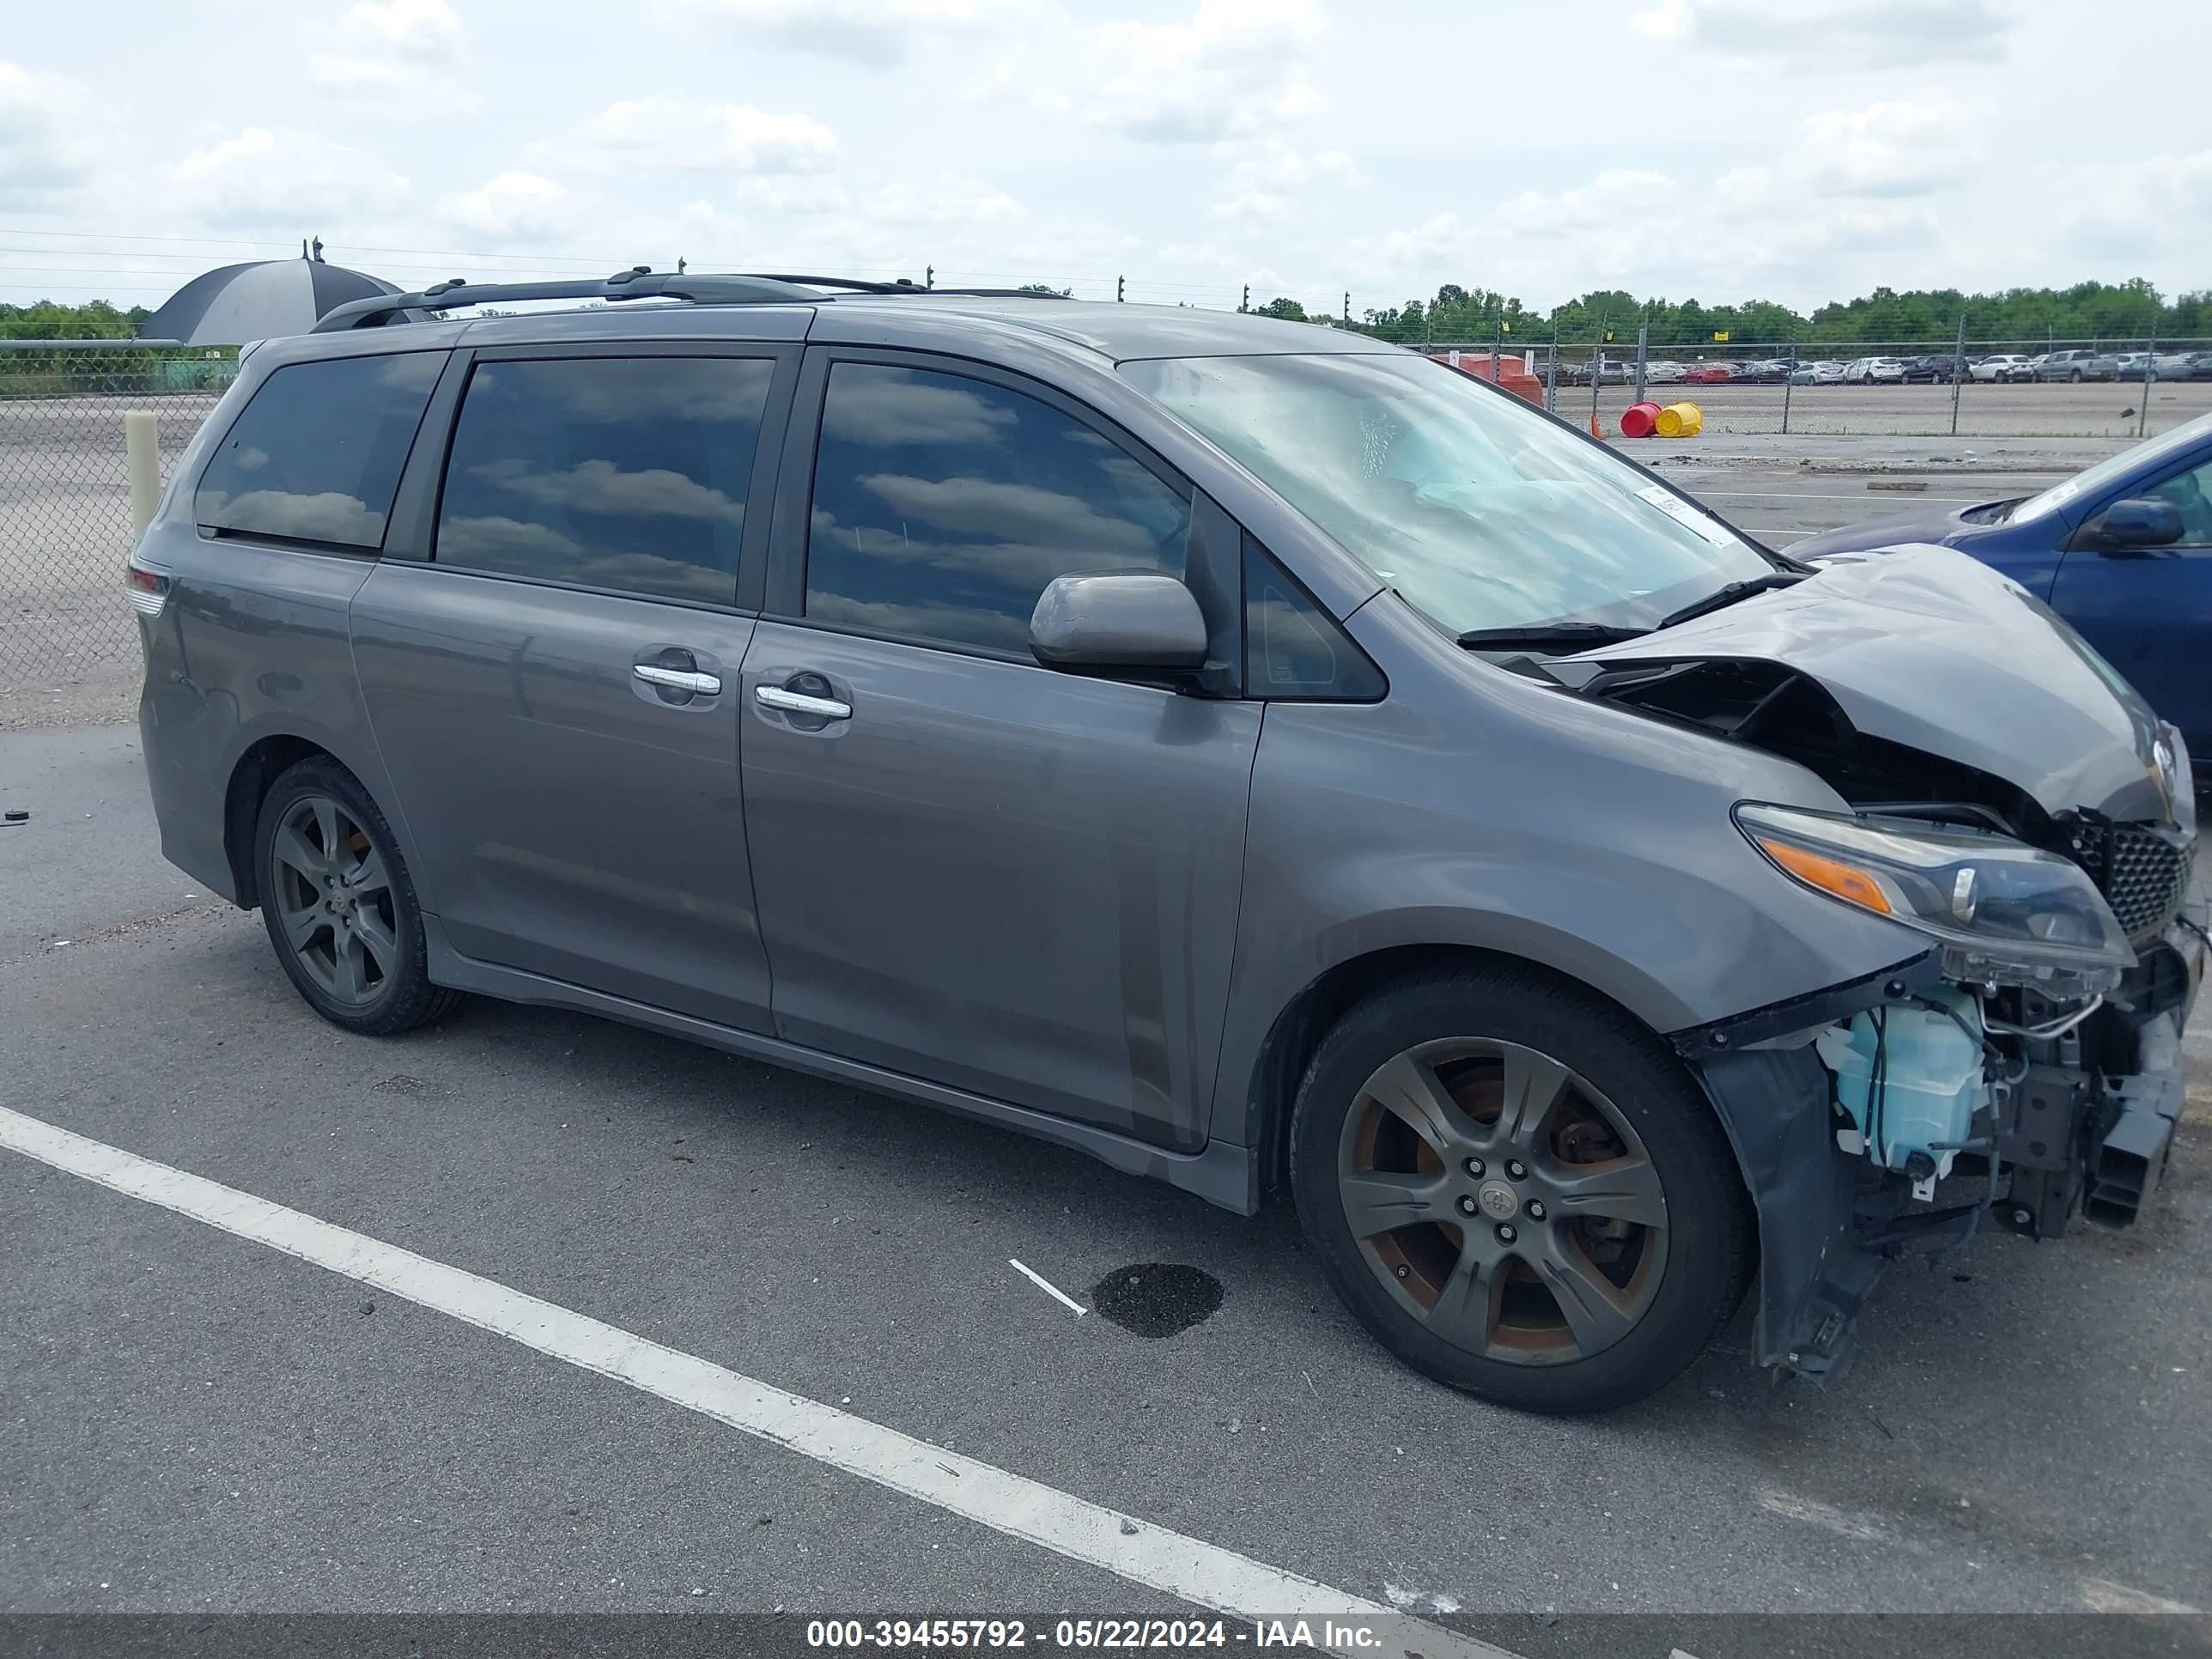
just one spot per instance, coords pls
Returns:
(193, 1420)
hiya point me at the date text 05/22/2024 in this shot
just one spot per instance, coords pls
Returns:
(1338, 1635)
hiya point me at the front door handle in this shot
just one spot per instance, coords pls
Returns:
(679, 679)
(798, 702)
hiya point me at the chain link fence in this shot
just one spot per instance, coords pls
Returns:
(1972, 388)
(65, 493)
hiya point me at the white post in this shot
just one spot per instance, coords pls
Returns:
(142, 449)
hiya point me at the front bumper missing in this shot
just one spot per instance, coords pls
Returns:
(1829, 1223)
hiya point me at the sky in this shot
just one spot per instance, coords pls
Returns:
(1797, 150)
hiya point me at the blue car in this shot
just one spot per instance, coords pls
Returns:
(2122, 550)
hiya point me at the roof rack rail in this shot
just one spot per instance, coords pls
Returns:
(637, 283)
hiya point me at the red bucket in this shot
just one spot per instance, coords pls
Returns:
(1639, 419)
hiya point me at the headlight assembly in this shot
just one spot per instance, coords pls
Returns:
(2004, 913)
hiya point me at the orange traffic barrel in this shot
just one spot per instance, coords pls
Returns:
(1637, 420)
(1679, 420)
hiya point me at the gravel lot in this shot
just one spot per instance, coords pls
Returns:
(2093, 410)
(196, 1422)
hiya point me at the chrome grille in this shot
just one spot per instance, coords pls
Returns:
(2142, 875)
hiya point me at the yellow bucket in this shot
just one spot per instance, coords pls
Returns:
(1680, 421)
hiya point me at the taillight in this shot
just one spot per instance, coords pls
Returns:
(147, 587)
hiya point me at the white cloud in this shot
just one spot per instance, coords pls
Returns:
(426, 31)
(512, 209)
(877, 34)
(674, 134)
(398, 58)
(48, 142)
(1825, 38)
(1231, 67)
(258, 179)
(943, 201)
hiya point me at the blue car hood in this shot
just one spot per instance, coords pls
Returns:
(1925, 647)
(1896, 531)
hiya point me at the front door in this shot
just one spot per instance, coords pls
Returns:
(2148, 611)
(972, 869)
(555, 692)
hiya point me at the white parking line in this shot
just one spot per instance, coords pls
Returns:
(1202, 1573)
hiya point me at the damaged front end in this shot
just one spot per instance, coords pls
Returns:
(2017, 808)
(2022, 1071)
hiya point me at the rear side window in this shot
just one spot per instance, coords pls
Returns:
(316, 454)
(943, 505)
(628, 473)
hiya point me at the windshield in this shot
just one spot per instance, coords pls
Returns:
(2090, 480)
(1479, 511)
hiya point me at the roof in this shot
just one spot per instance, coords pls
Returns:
(735, 305)
(1125, 331)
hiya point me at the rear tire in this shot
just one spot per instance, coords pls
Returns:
(339, 905)
(1518, 1190)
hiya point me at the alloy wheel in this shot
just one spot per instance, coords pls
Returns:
(334, 898)
(1502, 1200)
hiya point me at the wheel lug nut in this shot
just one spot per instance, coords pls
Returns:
(1516, 1168)
(1401, 1270)
(1467, 1206)
(1535, 1210)
(1474, 1167)
(1506, 1234)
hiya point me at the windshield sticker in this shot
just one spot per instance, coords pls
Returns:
(1688, 516)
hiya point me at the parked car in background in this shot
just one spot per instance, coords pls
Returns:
(1663, 371)
(1711, 373)
(1873, 371)
(2122, 551)
(1770, 371)
(2073, 364)
(2200, 366)
(2149, 365)
(1826, 371)
(1559, 892)
(1936, 369)
(2004, 367)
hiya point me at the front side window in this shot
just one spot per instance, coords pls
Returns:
(2087, 483)
(943, 505)
(1474, 507)
(628, 473)
(2190, 492)
(316, 454)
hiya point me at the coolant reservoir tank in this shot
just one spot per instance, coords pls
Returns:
(1910, 1077)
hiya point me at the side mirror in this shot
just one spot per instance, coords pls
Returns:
(1136, 624)
(2139, 522)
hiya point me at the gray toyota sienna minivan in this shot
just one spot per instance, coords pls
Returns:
(1244, 751)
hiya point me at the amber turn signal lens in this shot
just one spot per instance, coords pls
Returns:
(1830, 875)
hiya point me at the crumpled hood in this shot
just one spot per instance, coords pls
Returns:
(1923, 646)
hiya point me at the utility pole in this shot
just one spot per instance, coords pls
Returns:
(1958, 365)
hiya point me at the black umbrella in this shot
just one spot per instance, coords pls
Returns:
(258, 300)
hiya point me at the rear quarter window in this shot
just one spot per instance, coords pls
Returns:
(316, 455)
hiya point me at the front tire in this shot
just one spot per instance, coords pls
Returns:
(339, 906)
(1518, 1190)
